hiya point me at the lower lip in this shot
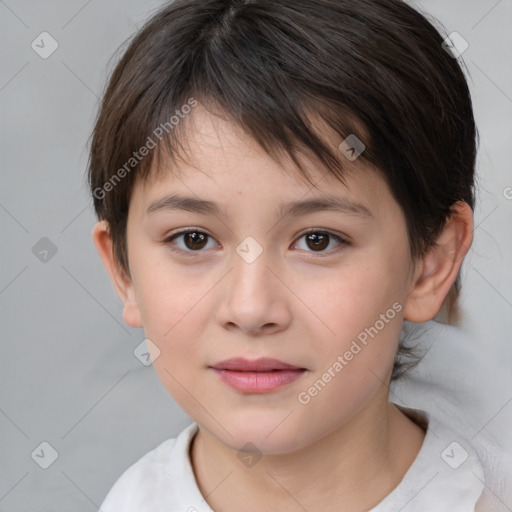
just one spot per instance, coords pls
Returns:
(258, 382)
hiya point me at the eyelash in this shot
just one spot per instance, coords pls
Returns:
(342, 241)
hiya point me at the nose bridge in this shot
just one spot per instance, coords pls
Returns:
(251, 298)
(250, 274)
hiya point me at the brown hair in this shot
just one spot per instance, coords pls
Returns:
(373, 68)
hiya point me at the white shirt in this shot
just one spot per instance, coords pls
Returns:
(446, 476)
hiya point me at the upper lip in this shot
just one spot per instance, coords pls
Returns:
(263, 364)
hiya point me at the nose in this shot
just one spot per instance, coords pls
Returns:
(254, 299)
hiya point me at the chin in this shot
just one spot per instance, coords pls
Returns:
(268, 432)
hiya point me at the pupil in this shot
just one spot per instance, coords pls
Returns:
(197, 240)
(314, 237)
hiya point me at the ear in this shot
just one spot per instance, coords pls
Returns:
(122, 282)
(437, 270)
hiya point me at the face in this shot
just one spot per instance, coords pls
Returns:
(321, 290)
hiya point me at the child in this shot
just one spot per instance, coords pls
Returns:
(279, 185)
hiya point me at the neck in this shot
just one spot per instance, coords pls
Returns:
(356, 466)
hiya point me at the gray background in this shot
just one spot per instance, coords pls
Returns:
(68, 373)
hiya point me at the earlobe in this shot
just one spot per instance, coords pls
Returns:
(438, 268)
(122, 282)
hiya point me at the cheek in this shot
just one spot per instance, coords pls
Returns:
(166, 294)
(173, 312)
(360, 308)
(354, 297)
(173, 308)
(353, 362)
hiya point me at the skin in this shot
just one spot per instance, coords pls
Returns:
(348, 445)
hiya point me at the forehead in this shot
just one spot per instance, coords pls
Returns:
(220, 162)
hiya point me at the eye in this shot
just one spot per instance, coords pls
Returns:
(318, 241)
(193, 240)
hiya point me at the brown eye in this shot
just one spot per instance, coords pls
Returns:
(190, 241)
(318, 241)
(195, 240)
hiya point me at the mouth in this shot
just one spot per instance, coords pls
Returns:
(256, 376)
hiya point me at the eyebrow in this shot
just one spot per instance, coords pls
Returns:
(294, 208)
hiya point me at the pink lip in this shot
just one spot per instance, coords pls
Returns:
(258, 376)
(263, 364)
